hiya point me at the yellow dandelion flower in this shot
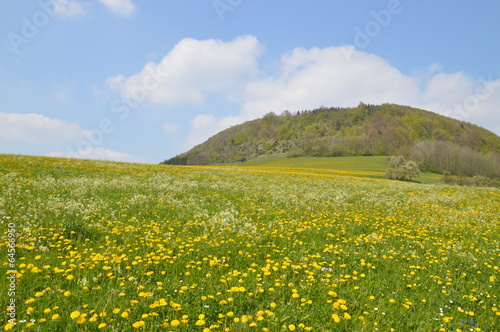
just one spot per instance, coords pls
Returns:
(125, 314)
(67, 293)
(9, 326)
(56, 317)
(75, 314)
(139, 324)
(81, 320)
(102, 325)
(336, 318)
(175, 322)
(291, 327)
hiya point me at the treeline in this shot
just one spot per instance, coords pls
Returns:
(452, 159)
(364, 130)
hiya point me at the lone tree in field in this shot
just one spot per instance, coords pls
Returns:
(402, 169)
(412, 170)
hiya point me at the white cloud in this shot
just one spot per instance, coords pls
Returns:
(191, 70)
(98, 153)
(68, 8)
(315, 77)
(37, 128)
(447, 89)
(123, 8)
(468, 99)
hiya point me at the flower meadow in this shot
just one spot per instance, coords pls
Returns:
(103, 246)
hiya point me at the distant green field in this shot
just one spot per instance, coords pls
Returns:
(369, 166)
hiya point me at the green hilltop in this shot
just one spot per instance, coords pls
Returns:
(365, 130)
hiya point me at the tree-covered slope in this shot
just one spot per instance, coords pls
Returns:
(364, 130)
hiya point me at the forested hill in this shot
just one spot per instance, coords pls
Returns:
(364, 130)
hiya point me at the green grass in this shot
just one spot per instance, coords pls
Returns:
(104, 246)
(375, 165)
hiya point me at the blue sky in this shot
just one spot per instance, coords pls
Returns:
(143, 81)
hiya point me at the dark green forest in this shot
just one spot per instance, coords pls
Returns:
(365, 130)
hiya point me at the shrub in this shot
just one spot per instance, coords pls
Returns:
(482, 181)
(401, 169)
(397, 173)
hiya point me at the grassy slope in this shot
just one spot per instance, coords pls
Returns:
(249, 248)
(372, 166)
